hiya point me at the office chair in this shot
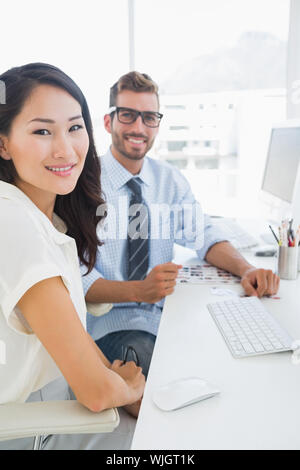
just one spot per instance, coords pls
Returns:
(37, 419)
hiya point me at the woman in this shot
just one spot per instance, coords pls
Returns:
(49, 193)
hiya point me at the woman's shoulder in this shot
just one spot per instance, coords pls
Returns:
(17, 220)
(12, 212)
(26, 249)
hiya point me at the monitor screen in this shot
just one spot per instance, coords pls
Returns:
(282, 162)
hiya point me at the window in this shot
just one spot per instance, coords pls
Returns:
(176, 145)
(175, 106)
(224, 64)
(87, 40)
(178, 128)
(221, 68)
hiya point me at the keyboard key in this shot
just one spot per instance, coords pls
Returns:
(259, 348)
(248, 348)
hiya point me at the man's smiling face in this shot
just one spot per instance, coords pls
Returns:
(132, 141)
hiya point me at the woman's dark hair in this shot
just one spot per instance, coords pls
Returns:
(78, 208)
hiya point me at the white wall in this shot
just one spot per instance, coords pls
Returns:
(293, 63)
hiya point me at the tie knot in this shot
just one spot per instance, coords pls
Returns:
(135, 187)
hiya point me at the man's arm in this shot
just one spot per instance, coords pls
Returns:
(255, 281)
(225, 256)
(159, 283)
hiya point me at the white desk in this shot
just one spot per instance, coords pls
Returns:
(259, 403)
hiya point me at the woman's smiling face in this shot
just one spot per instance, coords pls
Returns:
(48, 143)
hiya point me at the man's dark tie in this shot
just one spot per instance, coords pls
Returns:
(138, 233)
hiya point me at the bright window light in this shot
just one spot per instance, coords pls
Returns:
(221, 69)
(86, 39)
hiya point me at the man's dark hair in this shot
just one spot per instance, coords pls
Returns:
(133, 81)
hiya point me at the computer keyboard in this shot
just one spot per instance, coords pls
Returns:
(239, 237)
(248, 328)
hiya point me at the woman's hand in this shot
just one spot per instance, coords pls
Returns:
(133, 409)
(133, 376)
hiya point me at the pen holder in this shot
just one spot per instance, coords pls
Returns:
(288, 262)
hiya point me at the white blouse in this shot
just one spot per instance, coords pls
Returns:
(31, 249)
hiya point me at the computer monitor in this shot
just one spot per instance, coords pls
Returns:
(280, 190)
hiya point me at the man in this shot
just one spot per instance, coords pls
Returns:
(134, 270)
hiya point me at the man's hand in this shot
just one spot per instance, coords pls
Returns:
(159, 283)
(259, 282)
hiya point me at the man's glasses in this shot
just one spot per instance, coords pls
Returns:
(128, 116)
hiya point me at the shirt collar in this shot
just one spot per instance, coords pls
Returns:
(59, 224)
(119, 176)
(57, 227)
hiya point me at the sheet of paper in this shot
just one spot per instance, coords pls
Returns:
(205, 274)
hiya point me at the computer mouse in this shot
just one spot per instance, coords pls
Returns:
(183, 392)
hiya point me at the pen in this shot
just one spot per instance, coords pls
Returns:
(290, 225)
(284, 233)
(274, 234)
(297, 237)
(280, 236)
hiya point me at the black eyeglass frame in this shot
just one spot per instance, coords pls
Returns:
(130, 349)
(117, 109)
